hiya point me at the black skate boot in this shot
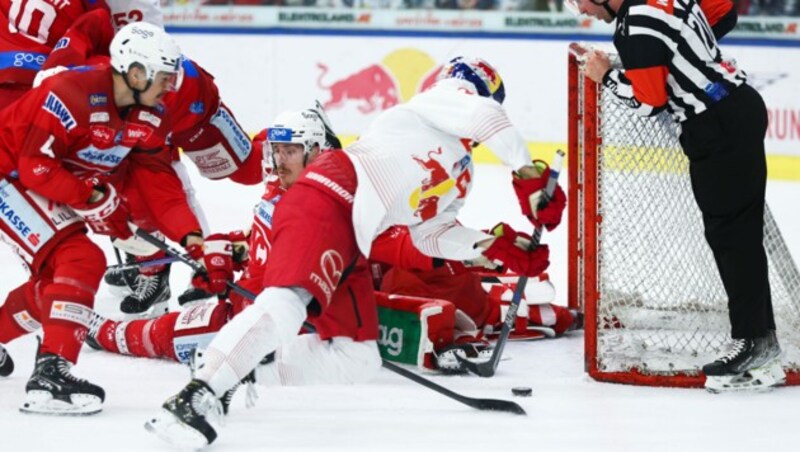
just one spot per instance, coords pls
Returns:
(121, 282)
(193, 294)
(6, 363)
(751, 364)
(52, 389)
(248, 382)
(449, 359)
(150, 296)
(187, 420)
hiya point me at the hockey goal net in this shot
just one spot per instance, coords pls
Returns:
(639, 265)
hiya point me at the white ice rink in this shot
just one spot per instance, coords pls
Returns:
(568, 411)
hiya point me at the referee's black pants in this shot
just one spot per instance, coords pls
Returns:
(728, 168)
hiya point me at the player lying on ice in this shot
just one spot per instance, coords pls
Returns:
(61, 147)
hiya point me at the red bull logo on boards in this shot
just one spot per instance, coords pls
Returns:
(380, 86)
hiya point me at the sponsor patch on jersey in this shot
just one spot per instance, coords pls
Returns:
(56, 107)
(185, 346)
(146, 116)
(71, 312)
(26, 321)
(22, 219)
(22, 60)
(198, 316)
(100, 116)
(137, 132)
(233, 133)
(214, 162)
(63, 42)
(197, 108)
(102, 136)
(265, 209)
(98, 99)
(108, 158)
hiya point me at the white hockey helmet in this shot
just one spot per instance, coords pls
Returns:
(301, 127)
(148, 46)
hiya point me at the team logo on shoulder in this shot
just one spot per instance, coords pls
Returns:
(63, 42)
(56, 107)
(197, 108)
(98, 99)
(146, 116)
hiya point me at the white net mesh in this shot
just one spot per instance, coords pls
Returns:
(662, 308)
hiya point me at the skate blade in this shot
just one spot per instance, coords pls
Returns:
(42, 402)
(170, 429)
(762, 379)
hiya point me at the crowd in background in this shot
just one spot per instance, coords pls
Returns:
(744, 7)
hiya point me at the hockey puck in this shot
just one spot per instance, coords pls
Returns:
(522, 391)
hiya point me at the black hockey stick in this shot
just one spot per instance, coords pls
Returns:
(488, 368)
(479, 404)
(152, 262)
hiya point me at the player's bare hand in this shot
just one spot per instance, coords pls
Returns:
(596, 65)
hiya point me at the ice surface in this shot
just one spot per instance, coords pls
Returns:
(568, 411)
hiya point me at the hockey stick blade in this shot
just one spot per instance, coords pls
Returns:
(479, 404)
(488, 368)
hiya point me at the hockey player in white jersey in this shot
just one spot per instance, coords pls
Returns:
(412, 167)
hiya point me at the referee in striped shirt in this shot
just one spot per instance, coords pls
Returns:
(672, 62)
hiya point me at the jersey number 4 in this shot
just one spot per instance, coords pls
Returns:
(21, 15)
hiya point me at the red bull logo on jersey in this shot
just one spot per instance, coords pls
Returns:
(56, 107)
(425, 199)
(380, 86)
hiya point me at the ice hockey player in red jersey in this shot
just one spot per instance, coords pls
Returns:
(60, 145)
(34, 29)
(346, 330)
(203, 127)
(344, 200)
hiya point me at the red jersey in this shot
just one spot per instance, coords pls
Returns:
(341, 317)
(34, 29)
(68, 129)
(202, 125)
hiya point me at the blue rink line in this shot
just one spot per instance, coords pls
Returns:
(758, 42)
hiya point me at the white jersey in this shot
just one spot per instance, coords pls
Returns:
(124, 12)
(414, 167)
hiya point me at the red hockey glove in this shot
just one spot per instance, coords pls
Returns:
(217, 256)
(531, 196)
(509, 249)
(108, 215)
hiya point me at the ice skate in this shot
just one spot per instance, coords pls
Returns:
(189, 419)
(150, 297)
(121, 282)
(447, 358)
(750, 365)
(193, 294)
(6, 363)
(53, 390)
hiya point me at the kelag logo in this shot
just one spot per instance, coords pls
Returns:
(380, 86)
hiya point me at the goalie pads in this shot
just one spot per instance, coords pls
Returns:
(412, 328)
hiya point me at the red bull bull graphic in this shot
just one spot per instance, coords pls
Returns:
(425, 199)
(380, 86)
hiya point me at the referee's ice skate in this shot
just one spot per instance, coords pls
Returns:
(751, 364)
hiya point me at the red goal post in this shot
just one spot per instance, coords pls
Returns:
(655, 309)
